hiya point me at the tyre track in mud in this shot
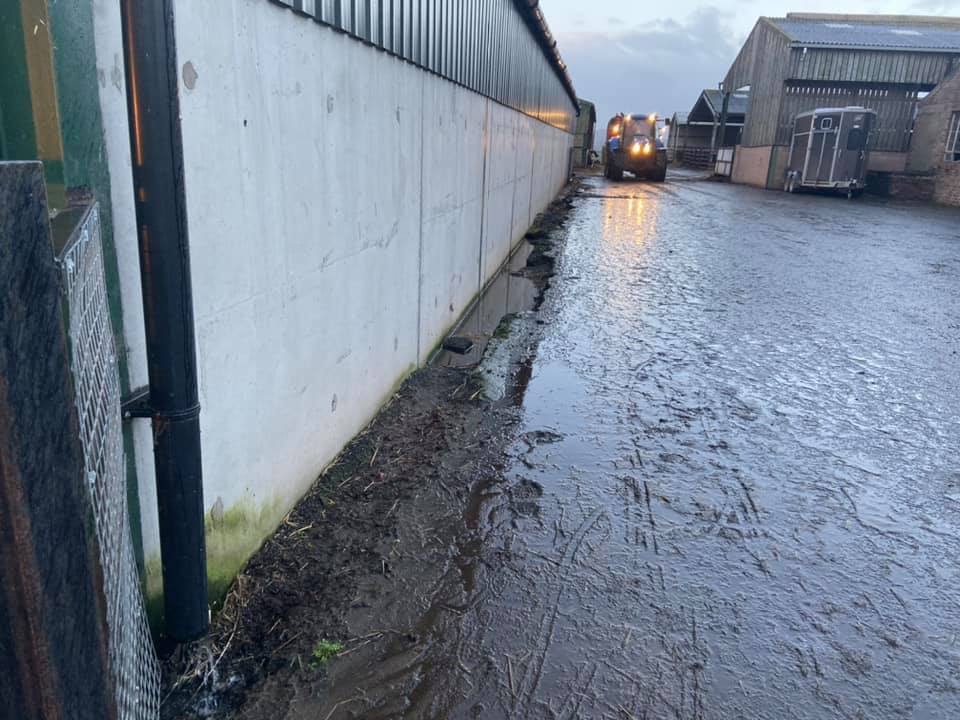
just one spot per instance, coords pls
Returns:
(523, 697)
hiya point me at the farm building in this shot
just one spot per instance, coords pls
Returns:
(805, 61)
(695, 136)
(936, 141)
(583, 139)
(678, 130)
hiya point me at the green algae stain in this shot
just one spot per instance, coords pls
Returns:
(234, 534)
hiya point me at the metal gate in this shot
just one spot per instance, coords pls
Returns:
(724, 164)
(133, 660)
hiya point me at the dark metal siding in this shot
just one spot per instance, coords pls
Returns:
(896, 106)
(870, 66)
(488, 46)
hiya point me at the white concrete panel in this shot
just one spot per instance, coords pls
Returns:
(522, 189)
(500, 181)
(453, 176)
(305, 231)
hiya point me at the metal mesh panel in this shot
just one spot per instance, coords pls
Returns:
(133, 659)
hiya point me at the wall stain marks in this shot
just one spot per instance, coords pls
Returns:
(190, 75)
(379, 243)
(116, 74)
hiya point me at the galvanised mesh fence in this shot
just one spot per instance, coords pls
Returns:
(133, 659)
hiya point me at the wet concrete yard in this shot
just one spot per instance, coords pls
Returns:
(721, 482)
(735, 491)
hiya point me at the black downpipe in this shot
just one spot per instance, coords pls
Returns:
(157, 151)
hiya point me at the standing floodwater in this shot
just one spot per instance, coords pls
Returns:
(736, 493)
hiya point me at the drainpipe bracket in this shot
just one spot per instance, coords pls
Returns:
(137, 404)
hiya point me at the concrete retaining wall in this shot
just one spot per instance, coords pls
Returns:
(345, 207)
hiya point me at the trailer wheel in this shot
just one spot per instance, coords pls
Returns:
(659, 175)
(616, 173)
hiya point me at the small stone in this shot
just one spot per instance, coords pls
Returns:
(458, 344)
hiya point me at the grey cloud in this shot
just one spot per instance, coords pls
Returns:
(661, 67)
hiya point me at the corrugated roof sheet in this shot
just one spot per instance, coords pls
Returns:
(900, 33)
(737, 105)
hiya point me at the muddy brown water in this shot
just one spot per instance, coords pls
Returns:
(719, 481)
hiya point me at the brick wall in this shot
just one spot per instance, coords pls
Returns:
(928, 147)
(902, 186)
(947, 189)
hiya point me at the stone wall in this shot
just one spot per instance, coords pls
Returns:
(928, 147)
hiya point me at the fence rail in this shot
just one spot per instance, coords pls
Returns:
(698, 157)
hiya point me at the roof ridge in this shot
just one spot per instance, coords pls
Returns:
(942, 21)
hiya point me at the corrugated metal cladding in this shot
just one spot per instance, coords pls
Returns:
(493, 47)
(896, 107)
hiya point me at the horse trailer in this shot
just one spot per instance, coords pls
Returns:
(829, 149)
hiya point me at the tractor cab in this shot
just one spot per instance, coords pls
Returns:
(633, 146)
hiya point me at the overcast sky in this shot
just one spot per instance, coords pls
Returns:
(635, 56)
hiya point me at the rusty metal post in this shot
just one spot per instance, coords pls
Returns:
(53, 641)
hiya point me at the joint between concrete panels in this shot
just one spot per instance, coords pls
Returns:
(423, 101)
(483, 193)
(533, 165)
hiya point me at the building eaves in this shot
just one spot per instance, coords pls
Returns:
(533, 15)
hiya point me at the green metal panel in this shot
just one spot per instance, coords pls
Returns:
(17, 139)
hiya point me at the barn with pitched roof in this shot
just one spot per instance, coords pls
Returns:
(804, 61)
(696, 135)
